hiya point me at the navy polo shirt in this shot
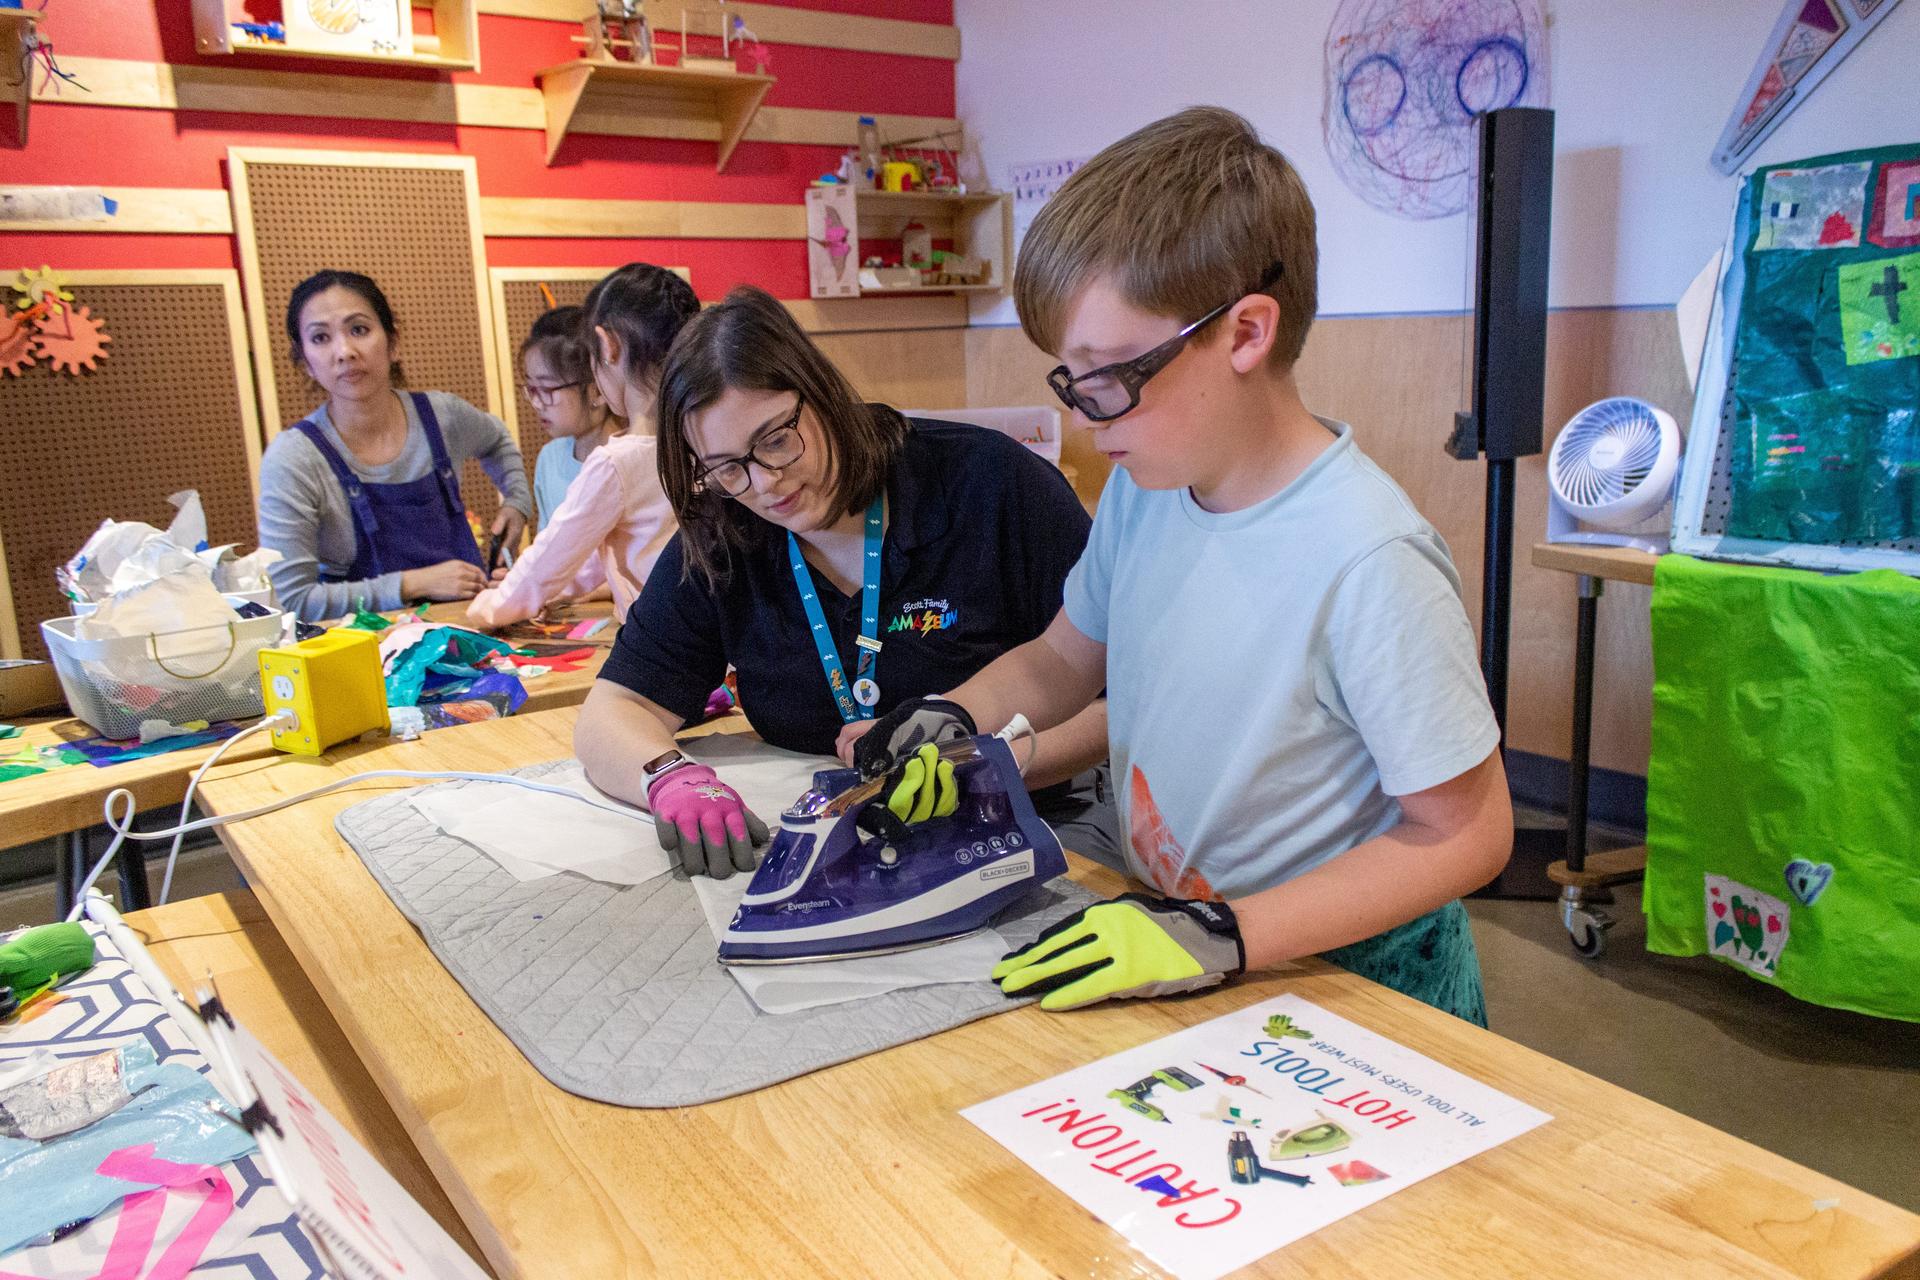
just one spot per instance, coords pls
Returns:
(980, 535)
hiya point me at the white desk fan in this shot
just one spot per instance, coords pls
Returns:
(1611, 475)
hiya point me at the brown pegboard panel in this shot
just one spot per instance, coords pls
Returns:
(404, 221)
(166, 410)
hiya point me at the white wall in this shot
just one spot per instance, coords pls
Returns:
(1641, 91)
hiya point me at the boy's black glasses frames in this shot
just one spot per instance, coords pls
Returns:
(1103, 394)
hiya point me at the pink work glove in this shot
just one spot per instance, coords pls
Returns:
(703, 822)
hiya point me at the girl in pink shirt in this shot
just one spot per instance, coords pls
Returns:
(615, 519)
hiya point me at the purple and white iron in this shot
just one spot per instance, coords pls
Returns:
(833, 886)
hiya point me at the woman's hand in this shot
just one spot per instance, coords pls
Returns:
(448, 580)
(849, 735)
(511, 522)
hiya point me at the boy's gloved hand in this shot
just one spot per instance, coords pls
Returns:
(703, 822)
(1135, 945)
(905, 729)
(923, 787)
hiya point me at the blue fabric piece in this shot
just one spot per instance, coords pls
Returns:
(44, 1185)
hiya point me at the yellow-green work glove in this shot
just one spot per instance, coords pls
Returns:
(923, 787)
(1135, 945)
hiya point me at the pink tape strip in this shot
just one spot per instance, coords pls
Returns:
(141, 1212)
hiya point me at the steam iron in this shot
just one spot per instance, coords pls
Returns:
(844, 878)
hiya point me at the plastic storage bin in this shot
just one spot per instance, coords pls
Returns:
(203, 673)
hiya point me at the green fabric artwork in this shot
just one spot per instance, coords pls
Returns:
(1783, 793)
(1823, 415)
(1880, 308)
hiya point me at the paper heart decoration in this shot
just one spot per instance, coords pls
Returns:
(1808, 880)
(1720, 909)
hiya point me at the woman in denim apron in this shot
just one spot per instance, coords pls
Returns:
(391, 462)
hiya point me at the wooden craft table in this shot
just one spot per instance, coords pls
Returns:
(228, 938)
(68, 802)
(868, 1169)
(1580, 873)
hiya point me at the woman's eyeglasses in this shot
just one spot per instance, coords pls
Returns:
(1106, 393)
(542, 394)
(774, 449)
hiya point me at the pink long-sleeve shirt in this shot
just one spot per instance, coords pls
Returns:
(612, 526)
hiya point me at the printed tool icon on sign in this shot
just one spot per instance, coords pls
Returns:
(1134, 1096)
(1239, 1082)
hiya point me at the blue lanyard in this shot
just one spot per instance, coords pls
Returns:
(851, 709)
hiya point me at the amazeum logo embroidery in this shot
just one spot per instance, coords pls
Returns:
(923, 616)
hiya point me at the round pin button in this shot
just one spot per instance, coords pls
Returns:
(866, 692)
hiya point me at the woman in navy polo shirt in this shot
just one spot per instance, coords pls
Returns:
(915, 552)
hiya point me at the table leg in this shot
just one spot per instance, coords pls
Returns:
(1582, 754)
(132, 860)
(69, 869)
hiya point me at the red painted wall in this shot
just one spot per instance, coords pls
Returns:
(74, 144)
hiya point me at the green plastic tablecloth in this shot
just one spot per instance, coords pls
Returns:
(1783, 793)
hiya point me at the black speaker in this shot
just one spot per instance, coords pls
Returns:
(1512, 217)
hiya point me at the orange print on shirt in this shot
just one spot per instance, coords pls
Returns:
(1158, 849)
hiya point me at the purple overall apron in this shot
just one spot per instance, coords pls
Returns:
(402, 526)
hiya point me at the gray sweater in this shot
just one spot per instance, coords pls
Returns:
(304, 513)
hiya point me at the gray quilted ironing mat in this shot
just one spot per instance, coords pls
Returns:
(613, 992)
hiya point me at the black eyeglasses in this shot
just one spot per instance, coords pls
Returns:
(775, 449)
(1103, 394)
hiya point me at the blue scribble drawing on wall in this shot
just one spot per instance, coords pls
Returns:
(1405, 81)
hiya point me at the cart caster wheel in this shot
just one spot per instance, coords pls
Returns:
(1588, 935)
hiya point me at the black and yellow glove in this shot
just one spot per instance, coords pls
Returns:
(922, 788)
(1134, 945)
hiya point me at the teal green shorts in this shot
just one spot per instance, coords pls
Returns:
(1430, 958)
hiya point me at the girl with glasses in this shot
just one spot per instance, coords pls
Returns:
(842, 558)
(558, 372)
(614, 520)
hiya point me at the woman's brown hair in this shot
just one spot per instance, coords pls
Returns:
(748, 341)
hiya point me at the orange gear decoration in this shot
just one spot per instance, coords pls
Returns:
(17, 352)
(80, 348)
(42, 288)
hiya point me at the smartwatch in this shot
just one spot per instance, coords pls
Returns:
(661, 764)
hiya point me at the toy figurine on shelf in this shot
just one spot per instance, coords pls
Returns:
(618, 32)
(749, 46)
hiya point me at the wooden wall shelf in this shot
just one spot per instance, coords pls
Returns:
(587, 86)
(453, 45)
(978, 224)
(15, 24)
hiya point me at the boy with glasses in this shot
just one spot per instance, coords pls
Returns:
(1301, 742)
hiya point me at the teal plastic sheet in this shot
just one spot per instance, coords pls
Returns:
(1825, 392)
(1783, 793)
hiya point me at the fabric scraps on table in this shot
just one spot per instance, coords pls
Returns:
(102, 752)
(366, 620)
(9, 731)
(32, 761)
(438, 651)
(587, 628)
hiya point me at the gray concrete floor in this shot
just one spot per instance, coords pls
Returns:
(1835, 1091)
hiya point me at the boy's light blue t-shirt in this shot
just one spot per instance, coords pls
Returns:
(1276, 675)
(554, 471)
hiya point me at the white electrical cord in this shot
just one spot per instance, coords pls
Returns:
(1021, 727)
(186, 803)
(122, 831)
(1018, 727)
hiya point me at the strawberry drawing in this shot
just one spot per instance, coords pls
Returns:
(1158, 848)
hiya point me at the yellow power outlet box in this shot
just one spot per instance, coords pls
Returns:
(332, 684)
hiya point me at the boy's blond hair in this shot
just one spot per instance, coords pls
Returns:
(1186, 213)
